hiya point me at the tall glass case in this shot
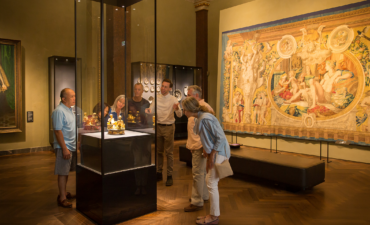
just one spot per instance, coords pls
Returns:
(182, 77)
(116, 171)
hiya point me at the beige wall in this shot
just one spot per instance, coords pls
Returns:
(257, 12)
(142, 31)
(176, 32)
(45, 28)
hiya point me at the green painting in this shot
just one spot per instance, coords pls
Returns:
(10, 87)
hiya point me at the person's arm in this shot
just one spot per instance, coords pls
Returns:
(343, 76)
(150, 110)
(57, 120)
(177, 109)
(323, 81)
(62, 144)
(211, 160)
(209, 127)
(207, 144)
(215, 132)
(210, 108)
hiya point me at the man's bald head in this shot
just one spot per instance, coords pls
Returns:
(67, 97)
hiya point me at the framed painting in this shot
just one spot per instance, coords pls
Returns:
(10, 86)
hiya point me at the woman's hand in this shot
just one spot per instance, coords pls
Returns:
(211, 160)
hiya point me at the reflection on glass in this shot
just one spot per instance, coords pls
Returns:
(111, 99)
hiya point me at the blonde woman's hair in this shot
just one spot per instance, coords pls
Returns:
(114, 106)
(192, 105)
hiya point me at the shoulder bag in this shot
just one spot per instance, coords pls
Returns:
(224, 169)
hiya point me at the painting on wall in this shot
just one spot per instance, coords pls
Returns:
(304, 77)
(10, 86)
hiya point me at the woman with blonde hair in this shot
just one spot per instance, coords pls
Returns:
(118, 108)
(215, 146)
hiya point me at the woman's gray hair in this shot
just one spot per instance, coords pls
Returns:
(196, 90)
(192, 105)
(114, 106)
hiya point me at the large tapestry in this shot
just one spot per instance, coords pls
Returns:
(307, 78)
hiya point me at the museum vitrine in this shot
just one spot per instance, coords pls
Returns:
(116, 171)
(62, 74)
(181, 76)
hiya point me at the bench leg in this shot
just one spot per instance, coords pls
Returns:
(327, 155)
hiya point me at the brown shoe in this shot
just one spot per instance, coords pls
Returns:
(205, 201)
(70, 196)
(192, 208)
(64, 203)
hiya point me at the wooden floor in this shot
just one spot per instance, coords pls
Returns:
(28, 191)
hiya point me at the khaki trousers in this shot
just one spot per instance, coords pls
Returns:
(165, 137)
(199, 190)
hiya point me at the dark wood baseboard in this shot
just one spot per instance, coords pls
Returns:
(26, 150)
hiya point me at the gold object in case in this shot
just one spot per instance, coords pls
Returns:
(130, 118)
(116, 127)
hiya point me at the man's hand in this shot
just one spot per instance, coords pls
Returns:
(66, 154)
(148, 111)
(204, 153)
(176, 106)
(62, 144)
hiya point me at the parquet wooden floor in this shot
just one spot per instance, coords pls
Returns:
(28, 191)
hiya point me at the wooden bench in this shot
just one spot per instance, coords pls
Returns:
(185, 155)
(294, 172)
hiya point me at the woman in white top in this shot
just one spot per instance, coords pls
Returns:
(215, 145)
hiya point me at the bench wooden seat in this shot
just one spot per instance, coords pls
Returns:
(295, 172)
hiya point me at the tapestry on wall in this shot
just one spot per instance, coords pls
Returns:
(307, 77)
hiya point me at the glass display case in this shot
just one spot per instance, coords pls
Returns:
(116, 170)
(182, 77)
(62, 74)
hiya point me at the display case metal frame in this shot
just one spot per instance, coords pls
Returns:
(109, 197)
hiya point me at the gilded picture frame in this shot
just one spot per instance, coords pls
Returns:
(11, 119)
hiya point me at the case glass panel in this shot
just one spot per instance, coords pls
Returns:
(116, 140)
(88, 86)
(116, 134)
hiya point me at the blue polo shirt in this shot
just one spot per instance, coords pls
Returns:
(64, 120)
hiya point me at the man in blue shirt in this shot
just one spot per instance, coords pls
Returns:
(64, 142)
